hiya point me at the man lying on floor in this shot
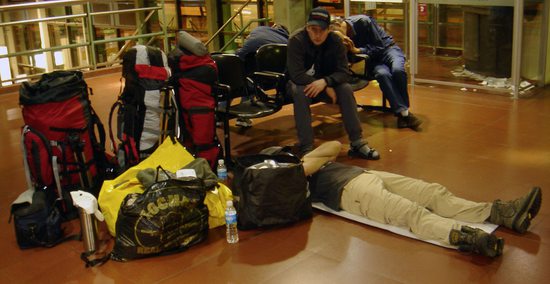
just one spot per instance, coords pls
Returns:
(428, 210)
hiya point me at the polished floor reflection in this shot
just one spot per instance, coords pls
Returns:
(481, 146)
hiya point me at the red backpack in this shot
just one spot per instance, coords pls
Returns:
(193, 79)
(63, 139)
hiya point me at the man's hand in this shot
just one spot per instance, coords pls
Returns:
(351, 46)
(331, 93)
(315, 87)
(348, 43)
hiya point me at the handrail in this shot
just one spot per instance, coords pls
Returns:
(40, 50)
(125, 11)
(38, 5)
(87, 25)
(47, 19)
(227, 22)
(126, 44)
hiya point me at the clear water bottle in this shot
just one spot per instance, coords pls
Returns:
(222, 171)
(232, 234)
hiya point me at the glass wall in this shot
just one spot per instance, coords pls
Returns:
(192, 14)
(467, 43)
(193, 19)
(535, 42)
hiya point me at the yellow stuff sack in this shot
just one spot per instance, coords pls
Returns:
(215, 201)
(172, 157)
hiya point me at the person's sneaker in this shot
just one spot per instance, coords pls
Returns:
(517, 214)
(409, 121)
(475, 240)
(243, 122)
(363, 151)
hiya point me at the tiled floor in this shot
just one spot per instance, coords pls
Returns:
(481, 146)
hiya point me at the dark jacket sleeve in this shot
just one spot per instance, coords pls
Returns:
(295, 60)
(338, 54)
(368, 28)
(249, 46)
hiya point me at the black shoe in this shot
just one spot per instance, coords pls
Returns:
(517, 214)
(364, 152)
(477, 241)
(304, 149)
(409, 121)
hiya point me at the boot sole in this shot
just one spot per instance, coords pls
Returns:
(495, 246)
(529, 211)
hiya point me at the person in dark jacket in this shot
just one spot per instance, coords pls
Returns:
(318, 70)
(258, 37)
(386, 62)
(428, 210)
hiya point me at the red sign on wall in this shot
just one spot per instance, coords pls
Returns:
(422, 9)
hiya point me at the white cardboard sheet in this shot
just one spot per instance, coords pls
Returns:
(487, 227)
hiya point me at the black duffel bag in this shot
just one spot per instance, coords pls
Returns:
(270, 194)
(37, 224)
(169, 216)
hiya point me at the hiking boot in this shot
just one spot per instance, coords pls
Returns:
(475, 240)
(409, 121)
(517, 214)
(363, 151)
(244, 122)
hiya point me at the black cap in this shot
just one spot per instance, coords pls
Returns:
(319, 17)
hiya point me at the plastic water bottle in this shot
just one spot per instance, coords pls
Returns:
(222, 171)
(232, 234)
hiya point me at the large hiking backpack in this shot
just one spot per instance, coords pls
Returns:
(147, 111)
(63, 139)
(193, 79)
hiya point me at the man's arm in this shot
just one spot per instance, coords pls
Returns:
(315, 159)
(369, 29)
(341, 73)
(295, 62)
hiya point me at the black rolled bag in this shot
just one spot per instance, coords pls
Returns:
(170, 216)
(270, 196)
(37, 224)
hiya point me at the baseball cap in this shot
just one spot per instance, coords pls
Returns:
(319, 17)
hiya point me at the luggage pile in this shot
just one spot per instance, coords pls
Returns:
(63, 144)
(164, 196)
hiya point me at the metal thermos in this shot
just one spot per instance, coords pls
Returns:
(89, 231)
(89, 215)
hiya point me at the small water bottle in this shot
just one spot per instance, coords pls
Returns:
(222, 171)
(232, 234)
